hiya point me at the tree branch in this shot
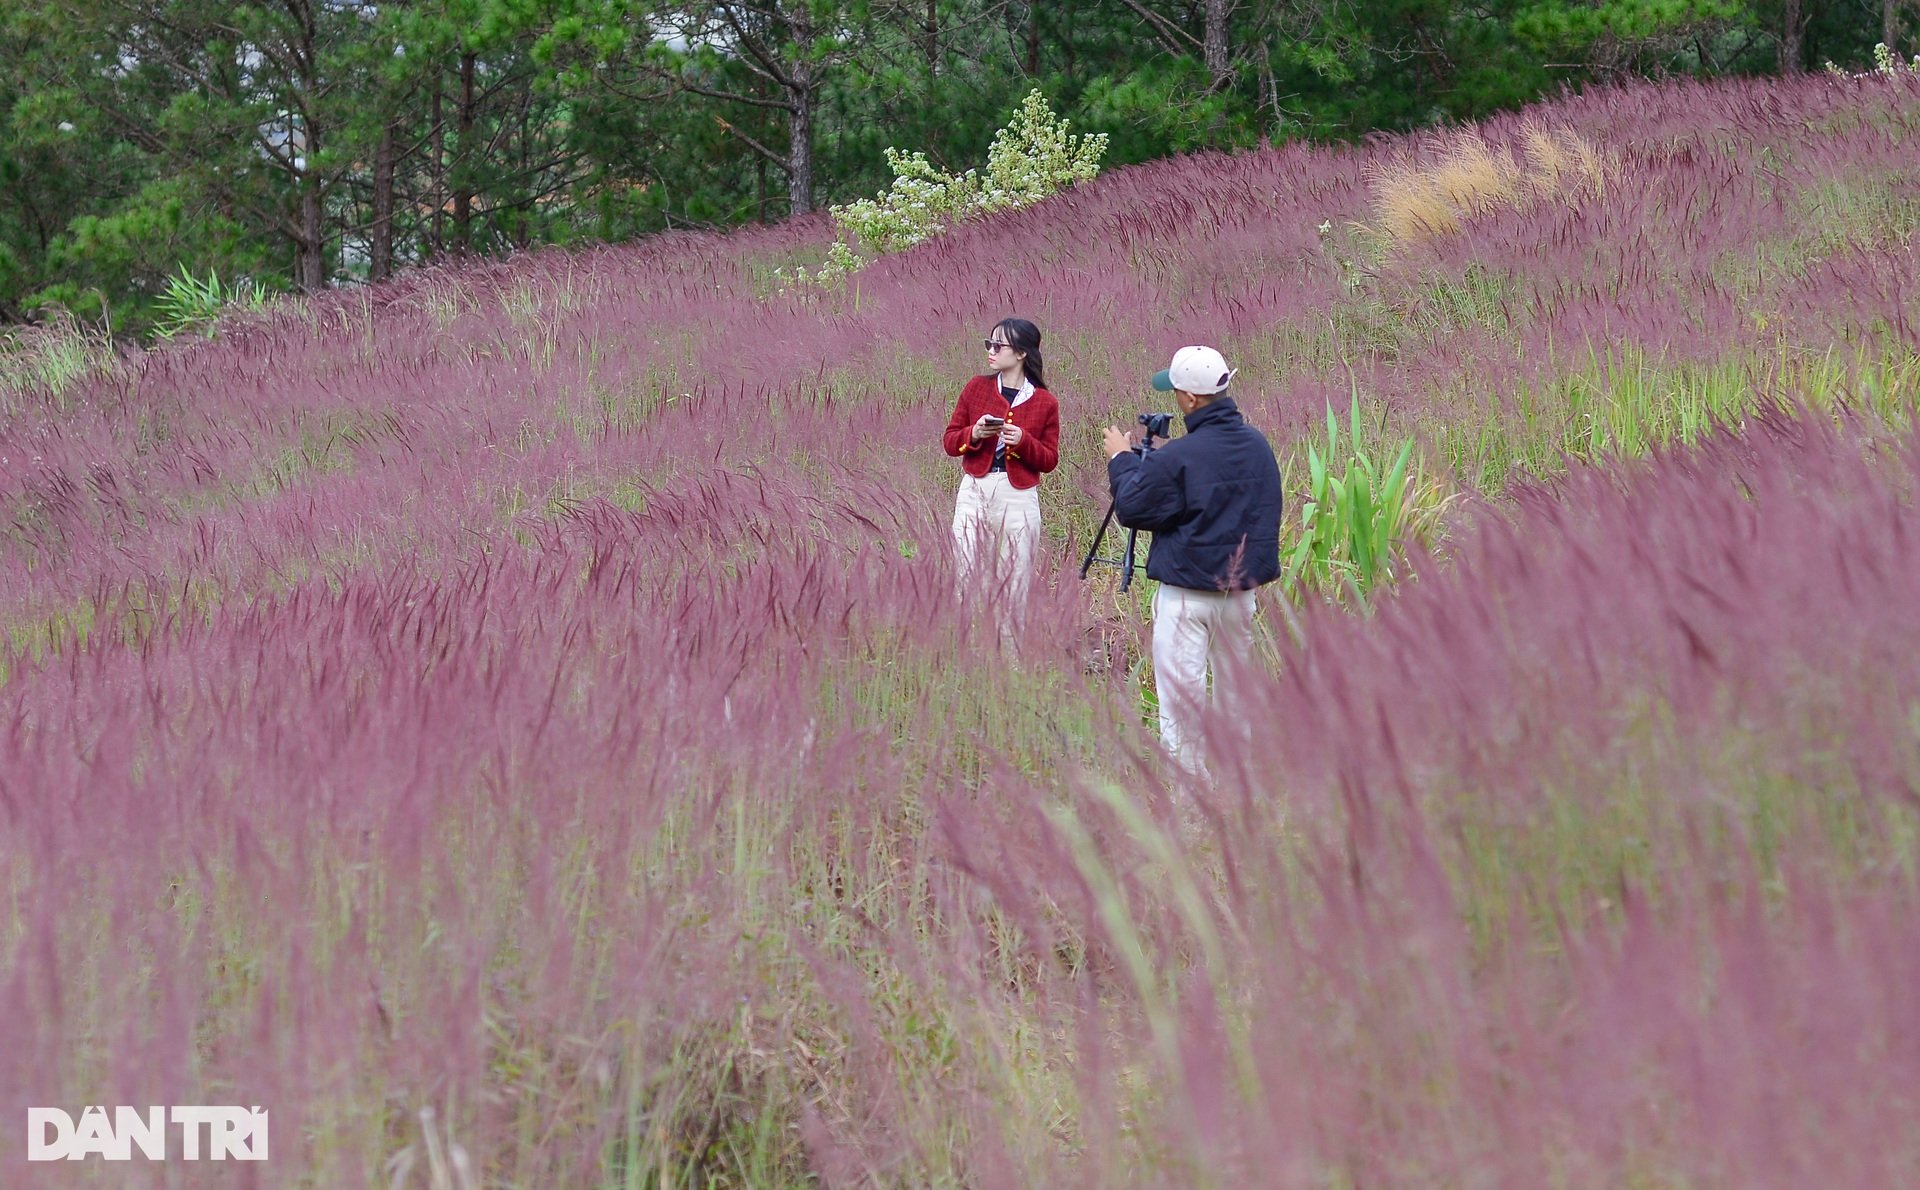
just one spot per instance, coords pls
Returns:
(754, 48)
(778, 159)
(751, 101)
(1167, 31)
(649, 97)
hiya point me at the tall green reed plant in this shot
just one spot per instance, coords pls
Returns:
(1352, 522)
(191, 303)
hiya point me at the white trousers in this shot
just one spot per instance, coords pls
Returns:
(993, 521)
(1194, 632)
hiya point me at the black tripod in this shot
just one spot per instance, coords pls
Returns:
(1156, 425)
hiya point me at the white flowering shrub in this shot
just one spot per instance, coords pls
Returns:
(922, 202)
(832, 273)
(1885, 62)
(1035, 155)
(1032, 157)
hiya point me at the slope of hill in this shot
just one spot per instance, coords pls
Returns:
(516, 725)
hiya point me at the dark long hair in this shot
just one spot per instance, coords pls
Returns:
(1025, 337)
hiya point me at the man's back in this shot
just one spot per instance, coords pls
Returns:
(1211, 499)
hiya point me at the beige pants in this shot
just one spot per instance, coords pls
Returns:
(1195, 632)
(996, 528)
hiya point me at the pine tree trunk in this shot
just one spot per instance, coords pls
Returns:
(310, 271)
(380, 236)
(463, 160)
(1214, 43)
(800, 145)
(439, 171)
(1793, 37)
(931, 44)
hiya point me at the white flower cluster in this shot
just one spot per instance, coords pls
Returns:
(1032, 157)
(840, 262)
(1885, 62)
(922, 202)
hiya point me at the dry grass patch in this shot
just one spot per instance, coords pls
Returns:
(1413, 198)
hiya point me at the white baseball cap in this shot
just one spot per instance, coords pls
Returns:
(1201, 371)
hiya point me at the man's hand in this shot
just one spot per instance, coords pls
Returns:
(1012, 435)
(1117, 440)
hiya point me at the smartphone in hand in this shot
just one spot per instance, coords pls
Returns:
(993, 423)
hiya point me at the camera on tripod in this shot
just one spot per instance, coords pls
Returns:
(1156, 425)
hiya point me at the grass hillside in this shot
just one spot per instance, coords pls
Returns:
(517, 726)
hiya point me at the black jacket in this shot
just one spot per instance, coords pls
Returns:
(1211, 499)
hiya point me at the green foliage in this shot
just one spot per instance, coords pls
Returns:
(1623, 25)
(1351, 524)
(1166, 107)
(509, 123)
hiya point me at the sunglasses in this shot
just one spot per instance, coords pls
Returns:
(995, 345)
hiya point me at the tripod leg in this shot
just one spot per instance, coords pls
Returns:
(1093, 551)
(1126, 567)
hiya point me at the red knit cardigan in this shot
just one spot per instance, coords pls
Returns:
(1038, 417)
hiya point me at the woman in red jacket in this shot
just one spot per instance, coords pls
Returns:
(1005, 430)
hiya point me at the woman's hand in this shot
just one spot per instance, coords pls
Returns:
(982, 431)
(1012, 435)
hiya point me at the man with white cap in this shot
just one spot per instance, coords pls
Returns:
(1211, 499)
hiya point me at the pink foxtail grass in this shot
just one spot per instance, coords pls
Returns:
(1553, 870)
(519, 720)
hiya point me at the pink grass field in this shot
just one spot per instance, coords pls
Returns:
(517, 726)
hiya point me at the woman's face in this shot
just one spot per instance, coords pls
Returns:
(1002, 357)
